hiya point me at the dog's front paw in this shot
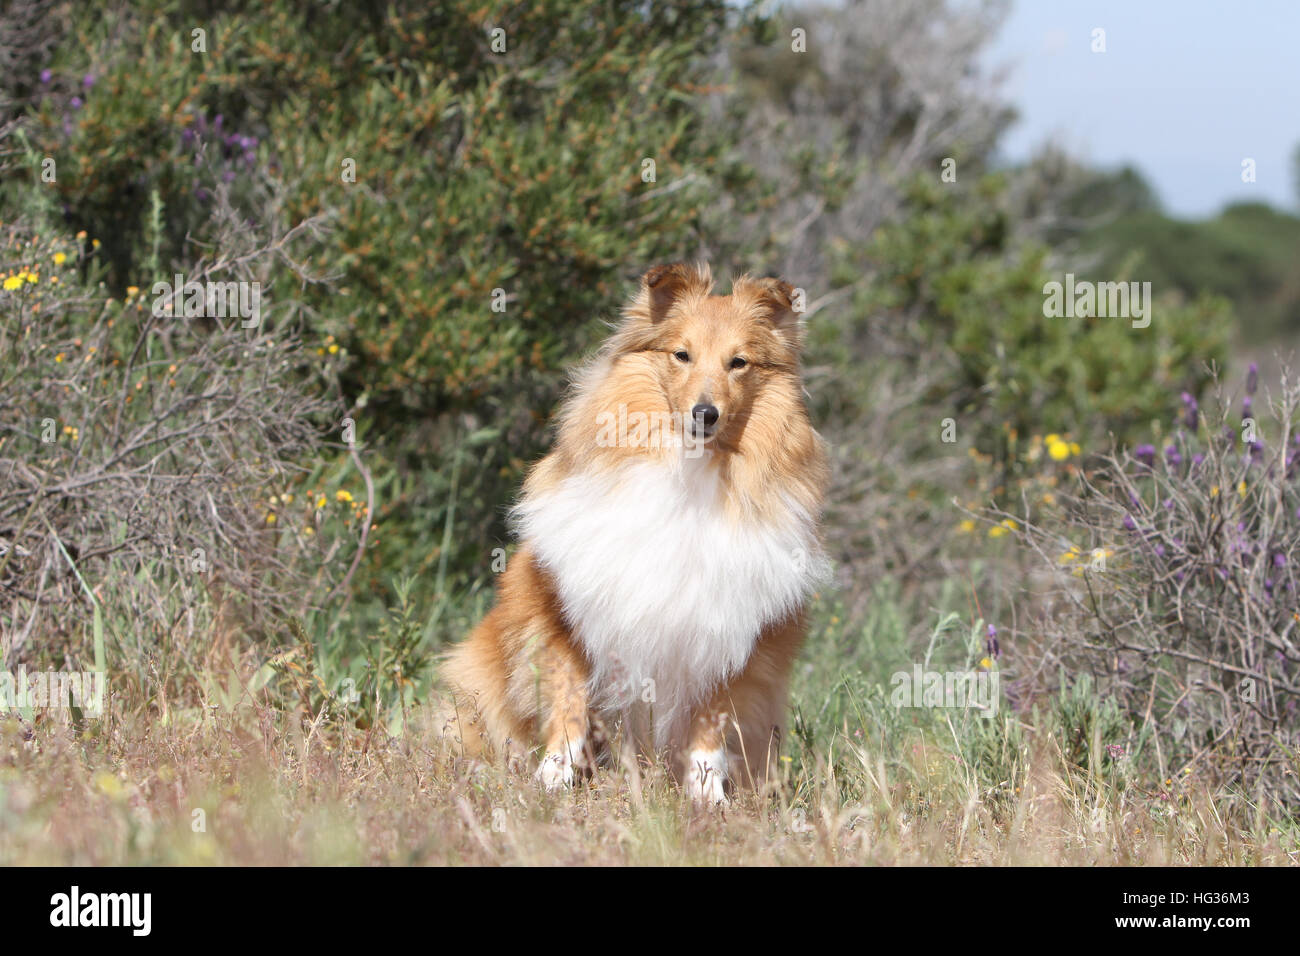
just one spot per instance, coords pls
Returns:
(706, 778)
(558, 766)
(556, 771)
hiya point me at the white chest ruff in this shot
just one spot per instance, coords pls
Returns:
(666, 591)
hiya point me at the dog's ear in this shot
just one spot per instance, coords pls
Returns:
(775, 302)
(662, 286)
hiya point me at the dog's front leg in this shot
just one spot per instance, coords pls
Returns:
(735, 738)
(705, 773)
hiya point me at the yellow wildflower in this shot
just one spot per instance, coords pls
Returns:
(60, 258)
(1059, 450)
(109, 785)
(342, 495)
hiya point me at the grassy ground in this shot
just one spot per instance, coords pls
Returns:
(254, 788)
(863, 783)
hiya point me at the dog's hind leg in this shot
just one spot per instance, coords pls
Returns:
(520, 680)
(565, 722)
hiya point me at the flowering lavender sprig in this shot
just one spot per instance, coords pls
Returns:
(991, 646)
(1190, 412)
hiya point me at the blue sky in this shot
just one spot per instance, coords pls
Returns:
(1185, 91)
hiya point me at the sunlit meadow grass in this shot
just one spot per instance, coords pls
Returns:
(862, 783)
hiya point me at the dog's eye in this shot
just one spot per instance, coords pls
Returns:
(738, 362)
(682, 355)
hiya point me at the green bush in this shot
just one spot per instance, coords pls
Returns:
(475, 170)
(1247, 254)
(950, 283)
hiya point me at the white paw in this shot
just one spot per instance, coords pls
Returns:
(706, 778)
(556, 770)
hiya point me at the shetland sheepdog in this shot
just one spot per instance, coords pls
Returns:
(669, 544)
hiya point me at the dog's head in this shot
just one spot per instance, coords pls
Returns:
(713, 355)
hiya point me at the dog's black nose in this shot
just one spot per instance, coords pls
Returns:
(708, 414)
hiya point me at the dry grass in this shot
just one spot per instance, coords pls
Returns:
(272, 789)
